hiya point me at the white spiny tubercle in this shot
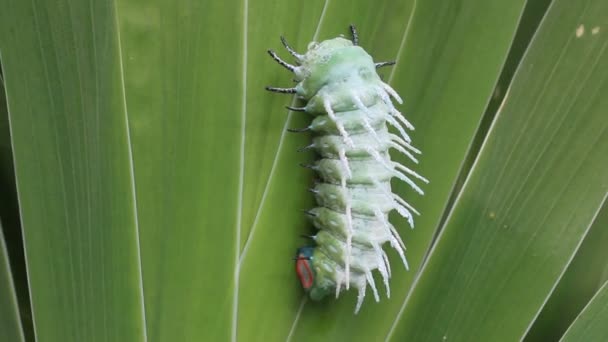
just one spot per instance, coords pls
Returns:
(349, 230)
(345, 136)
(400, 250)
(404, 213)
(392, 92)
(384, 97)
(391, 230)
(349, 247)
(372, 284)
(344, 161)
(397, 237)
(406, 179)
(402, 118)
(408, 171)
(359, 104)
(378, 249)
(388, 194)
(397, 125)
(402, 142)
(377, 157)
(338, 284)
(380, 216)
(404, 259)
(401, 209)
(395, 242)
(392, 110)
(382, 268)
(339, 125)
(360, 296)
(397, 245)
(387, 263)
(370, 129)
(405, 204)
(404, 151)
(385, 277)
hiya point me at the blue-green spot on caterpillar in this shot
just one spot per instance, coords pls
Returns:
(351, 106)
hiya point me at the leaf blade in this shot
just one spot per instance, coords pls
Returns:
(591, 324)
(531, 196)
(73, 170)
(10, 321)
(184, 88)
(585, 275)
(335, 320)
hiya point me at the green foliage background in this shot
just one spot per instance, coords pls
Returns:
(151, 192)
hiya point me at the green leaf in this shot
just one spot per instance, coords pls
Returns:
(184, 88)
(446, 84)
(531, 196)
(9, 214)
(202, 178)
(62, 73)
(585, 275)
(10, 322)
(591, 324)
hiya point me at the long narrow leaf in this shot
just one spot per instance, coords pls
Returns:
(73, 167)
(583, 278)
(9, 214)
(10, 322)
(591, 324)
(184, 87)
(532, 195)
(446, 73)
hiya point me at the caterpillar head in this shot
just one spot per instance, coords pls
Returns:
(335, 73)
(306, 272)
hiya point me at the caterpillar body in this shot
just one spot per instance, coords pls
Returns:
(352, 108)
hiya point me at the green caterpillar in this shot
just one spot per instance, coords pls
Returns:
(352, 108)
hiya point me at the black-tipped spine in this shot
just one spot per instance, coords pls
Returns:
(311, 146)
(289, 49)
(383, 64)
(281, 90)
(296, 109)
(312, 167)
(298, 130)
(353, 32)
(281, 62)
(309, 213)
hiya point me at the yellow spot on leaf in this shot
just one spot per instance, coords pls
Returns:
(580, 30)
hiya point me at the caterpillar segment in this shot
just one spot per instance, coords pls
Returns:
(352, 109)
